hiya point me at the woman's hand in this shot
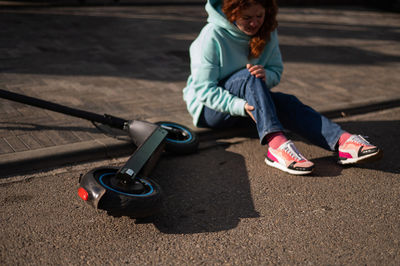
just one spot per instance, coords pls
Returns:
(248, 108)
(257, 70)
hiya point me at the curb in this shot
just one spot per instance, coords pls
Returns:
(34, 160)
(361, 108)
(107, 148)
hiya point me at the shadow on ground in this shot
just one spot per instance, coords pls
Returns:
(153, 45)
(210, 191)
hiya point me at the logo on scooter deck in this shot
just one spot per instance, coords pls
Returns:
(124, 193)
(181, 128)
(128, 171)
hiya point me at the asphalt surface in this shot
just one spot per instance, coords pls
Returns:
(132, 61)
(223, 206)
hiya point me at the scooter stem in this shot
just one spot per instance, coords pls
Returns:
(149, 138)
(106, 119)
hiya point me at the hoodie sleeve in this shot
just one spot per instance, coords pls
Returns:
(205, 66)
(273, 63)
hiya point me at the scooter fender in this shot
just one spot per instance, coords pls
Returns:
(93, 189)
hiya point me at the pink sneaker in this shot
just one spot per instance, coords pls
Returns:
(356, 149)
(287, 158)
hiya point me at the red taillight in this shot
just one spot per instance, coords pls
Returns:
(83, 194)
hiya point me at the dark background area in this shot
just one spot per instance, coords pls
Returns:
(390, 5)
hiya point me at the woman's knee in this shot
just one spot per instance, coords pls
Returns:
(241, 74)
(244, 75)
(241, 83)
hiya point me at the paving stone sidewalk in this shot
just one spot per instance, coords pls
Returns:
(132, 62)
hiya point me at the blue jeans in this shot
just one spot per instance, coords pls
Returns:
(274, 111)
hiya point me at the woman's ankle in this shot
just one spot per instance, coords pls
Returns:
(276, 139)
(343, 138)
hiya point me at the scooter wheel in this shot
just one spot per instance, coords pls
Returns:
(180, 139)
(140, 200)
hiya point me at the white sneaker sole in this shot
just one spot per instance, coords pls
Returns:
(285, 169)
(367, 158)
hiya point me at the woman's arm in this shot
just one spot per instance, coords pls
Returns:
(272, 61)
(206, 69)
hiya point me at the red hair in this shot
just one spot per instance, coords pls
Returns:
(232, 10)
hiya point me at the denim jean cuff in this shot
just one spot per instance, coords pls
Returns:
(334, 145)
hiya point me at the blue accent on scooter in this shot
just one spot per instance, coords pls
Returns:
(179, 141)
(124, 193)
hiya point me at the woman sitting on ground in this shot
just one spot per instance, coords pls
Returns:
(235, 61)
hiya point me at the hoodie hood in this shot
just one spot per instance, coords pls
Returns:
(218, 18)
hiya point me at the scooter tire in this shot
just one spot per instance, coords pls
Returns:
(185, 142)
(124, 203)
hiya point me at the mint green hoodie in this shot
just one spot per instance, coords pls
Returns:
(220, 50)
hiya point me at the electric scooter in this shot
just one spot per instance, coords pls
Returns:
(125, 190)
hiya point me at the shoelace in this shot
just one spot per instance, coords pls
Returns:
(360, 140)
(293, 152)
